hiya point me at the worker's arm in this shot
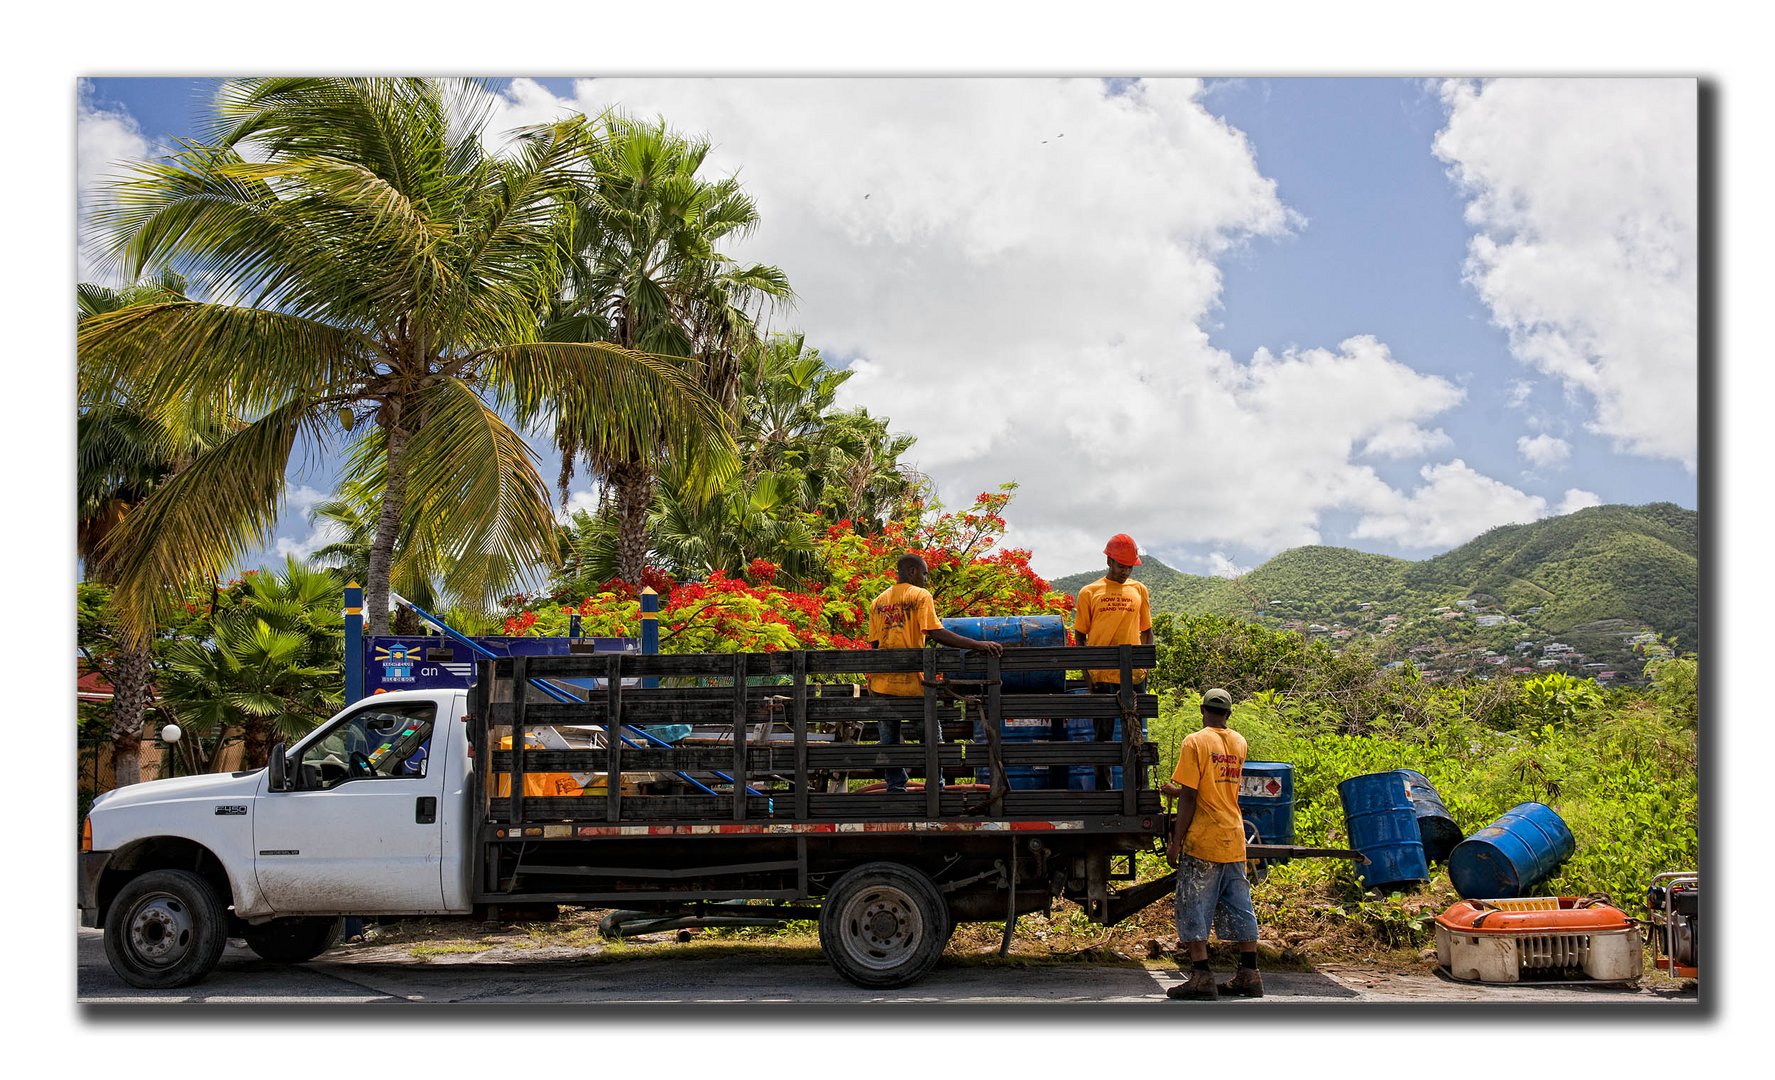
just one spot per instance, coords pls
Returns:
(1186, 813)
(955, 641)
(1146, 636)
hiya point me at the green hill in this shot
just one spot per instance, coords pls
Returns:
(1592, 578)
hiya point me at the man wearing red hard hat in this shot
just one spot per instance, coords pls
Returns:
(1114, 611)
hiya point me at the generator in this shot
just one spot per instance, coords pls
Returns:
(1672, 906)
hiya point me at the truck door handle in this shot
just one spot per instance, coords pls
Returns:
(425, 811)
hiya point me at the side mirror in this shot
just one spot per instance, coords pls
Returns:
(280, 780)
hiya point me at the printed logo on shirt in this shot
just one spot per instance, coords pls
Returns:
(1228, 768)
(894, 616)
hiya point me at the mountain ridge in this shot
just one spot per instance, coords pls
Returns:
(1604, 573)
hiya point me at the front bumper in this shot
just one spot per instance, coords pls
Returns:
(92, 869)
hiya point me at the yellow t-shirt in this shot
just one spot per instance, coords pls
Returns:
(898, 619)
(1212, 760)
(1113, 614)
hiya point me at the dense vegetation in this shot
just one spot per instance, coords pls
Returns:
(1594, 579)
(576, 291)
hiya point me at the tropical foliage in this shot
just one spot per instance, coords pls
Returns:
(373, 275)
(648, 275)
(804, 463)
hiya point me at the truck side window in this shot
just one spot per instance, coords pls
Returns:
(378, 742)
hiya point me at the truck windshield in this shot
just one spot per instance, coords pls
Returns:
(378, 742)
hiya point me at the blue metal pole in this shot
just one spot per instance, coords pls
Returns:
(650, 631)
(354, 642)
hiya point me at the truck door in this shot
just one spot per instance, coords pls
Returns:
(359, 832)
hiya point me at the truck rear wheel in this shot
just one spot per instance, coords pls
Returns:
(883, 925)
(166, 928)
(293, 940)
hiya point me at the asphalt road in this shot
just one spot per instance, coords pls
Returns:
(357, 975)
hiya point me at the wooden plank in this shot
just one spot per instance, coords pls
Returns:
(739, 737)
(1125, 698)
(520, 695)
(933, 735)
(613, 746)
(798, 720)
(994, 724)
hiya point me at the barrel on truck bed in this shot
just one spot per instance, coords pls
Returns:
(767, 802)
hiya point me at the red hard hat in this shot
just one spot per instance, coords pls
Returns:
(1122, 549)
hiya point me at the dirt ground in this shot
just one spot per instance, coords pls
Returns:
(1332, 945)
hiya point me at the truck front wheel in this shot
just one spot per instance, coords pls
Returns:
(166, 928)
(883, 925)
(293, 940)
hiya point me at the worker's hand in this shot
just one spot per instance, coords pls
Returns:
(990, 648)
(1173, 851)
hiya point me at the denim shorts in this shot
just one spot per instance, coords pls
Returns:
(1217, 894)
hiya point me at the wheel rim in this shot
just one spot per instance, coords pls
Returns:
(161, 930)
(882, 928)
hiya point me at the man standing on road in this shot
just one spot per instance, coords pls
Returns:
(1114, 611)
(1207, 846)
(902, 617)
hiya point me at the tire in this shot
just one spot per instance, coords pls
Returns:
(883, 925)
(166, 928)
(293, 940)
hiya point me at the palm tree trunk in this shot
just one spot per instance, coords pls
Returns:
(388, 526)
(129, 709)
(634, 497)
(256, 743)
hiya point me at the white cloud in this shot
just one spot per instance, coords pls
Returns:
(105, 141)
(1520, 391)
(1577, 499)
(319, 536)
(577, 501)
(1584, 197)
(1219, 565)
(1454, 505)
(1544, 450)
(1024, 289)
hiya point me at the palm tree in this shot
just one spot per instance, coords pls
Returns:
(272, 649)
(648, 277)
(122, 454)
(378, 277)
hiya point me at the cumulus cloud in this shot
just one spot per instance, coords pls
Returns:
(1219, 565)
(1544, 450)
(1577, 499)
(319, 536)
(1454, 504)
(106, 140)
(1019, 272)
(1583, 195)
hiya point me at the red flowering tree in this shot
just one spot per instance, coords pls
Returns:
(970, 575)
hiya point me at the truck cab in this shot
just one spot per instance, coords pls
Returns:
(368, 814)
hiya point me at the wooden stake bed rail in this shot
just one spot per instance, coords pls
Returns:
(770, 745)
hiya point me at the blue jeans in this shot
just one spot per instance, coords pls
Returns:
(887, 733)
(1105, 729)
(1217, 894)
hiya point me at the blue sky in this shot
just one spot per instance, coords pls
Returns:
(1203, 264)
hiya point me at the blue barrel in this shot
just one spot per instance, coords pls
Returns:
(1084, 729)
(1384, 827)
(1436, 826)
(1266, 799)
(1016, 632)
(1018, 777)
(1511, 855)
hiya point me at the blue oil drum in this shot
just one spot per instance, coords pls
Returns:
(1513, 854)
(1384, 826)
(1436, 826)
(1266, 799)
(1016, 632)
(1019, 777)
(1084, 729)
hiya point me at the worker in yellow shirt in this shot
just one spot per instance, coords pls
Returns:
(1207, 845)
(903, 617)
(1113, 611)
